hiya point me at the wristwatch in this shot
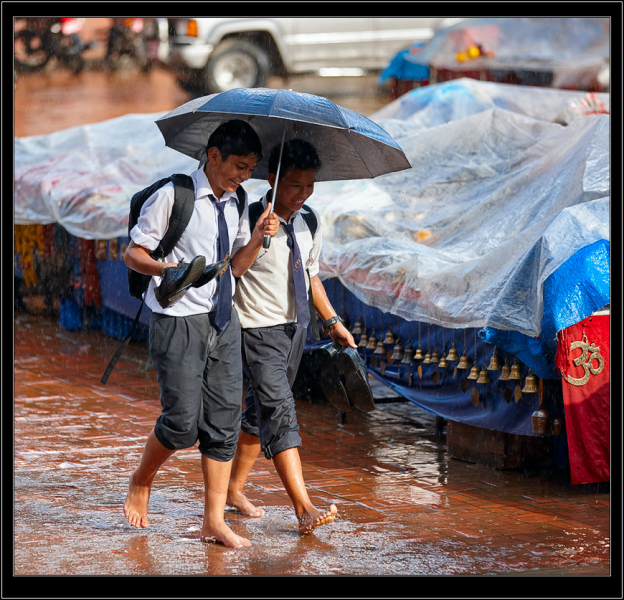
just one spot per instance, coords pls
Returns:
(331, 321)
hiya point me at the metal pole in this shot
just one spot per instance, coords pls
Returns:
(266, 242)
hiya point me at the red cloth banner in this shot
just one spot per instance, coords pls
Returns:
(583, 361)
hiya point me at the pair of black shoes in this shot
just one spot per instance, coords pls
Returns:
(176, 281)
(344, 378)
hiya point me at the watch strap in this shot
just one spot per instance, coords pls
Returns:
(331, 321)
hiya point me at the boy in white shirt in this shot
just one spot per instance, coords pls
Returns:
(271, 299)
(195, 342)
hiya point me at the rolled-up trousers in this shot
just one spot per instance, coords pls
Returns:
(271, 357)
(199, 371)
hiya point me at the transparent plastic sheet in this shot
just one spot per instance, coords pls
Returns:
(497, 199)
(441, 103)
(470, 242)
(83, 177)
(574, 50)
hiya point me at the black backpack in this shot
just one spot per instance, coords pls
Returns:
(255, 210)
(184, 200)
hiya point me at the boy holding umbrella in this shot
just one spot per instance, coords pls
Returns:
(195, 342)
(271, 299)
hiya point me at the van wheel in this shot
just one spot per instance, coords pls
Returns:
(237, 64)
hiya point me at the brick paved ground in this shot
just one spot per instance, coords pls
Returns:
(405, 507)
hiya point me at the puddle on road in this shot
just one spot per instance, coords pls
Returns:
(73, 525)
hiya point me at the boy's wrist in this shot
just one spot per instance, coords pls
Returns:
(332, 321)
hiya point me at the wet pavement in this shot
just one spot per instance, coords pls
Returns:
(404, 506)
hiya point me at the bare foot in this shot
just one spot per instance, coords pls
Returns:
(135, 506)
(238, 501)
(222, 534)
(312, 519)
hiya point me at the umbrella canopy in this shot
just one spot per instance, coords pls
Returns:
(350, 145)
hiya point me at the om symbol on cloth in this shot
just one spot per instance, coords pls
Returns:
(585, 360)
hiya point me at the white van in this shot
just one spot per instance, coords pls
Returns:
(217, 54)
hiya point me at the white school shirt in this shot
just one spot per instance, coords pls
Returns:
(199, 238)
(265, 294)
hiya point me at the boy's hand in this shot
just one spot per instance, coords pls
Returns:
(268, 224)
(341, 335)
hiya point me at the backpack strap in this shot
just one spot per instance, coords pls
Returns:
(240, 193)
(120, 350)
(184, 201)
(311, 221)
(255, 210)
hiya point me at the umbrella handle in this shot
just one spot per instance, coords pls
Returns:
(266, 241)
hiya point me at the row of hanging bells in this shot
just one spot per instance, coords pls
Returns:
(408, 355)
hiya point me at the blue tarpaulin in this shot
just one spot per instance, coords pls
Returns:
(402, 68)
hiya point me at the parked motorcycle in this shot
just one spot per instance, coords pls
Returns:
(37, 40)
(127, 43)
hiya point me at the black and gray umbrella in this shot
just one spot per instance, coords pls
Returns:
(350, 145)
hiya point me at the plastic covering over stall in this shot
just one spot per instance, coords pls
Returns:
(501, 225)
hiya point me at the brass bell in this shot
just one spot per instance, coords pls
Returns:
(358, 328)
(530, 384)
(397, 353)
(435, 357)
(408, 355)
(474, 372)
(453, 355)
(516, 372)
(419, 354)
(390, 337)
(443, 364)
(372, 342)
(484, 376)
(380, 349)
(494, 363)
(539, 421)
(464, 362)
(557, 426)
(363, 340)
(506, 370)
(427, 358)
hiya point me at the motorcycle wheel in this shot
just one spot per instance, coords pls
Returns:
(31, 51)
(70, 50)
(76, 64)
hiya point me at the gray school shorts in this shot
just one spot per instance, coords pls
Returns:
(271, 357)
(199, 371)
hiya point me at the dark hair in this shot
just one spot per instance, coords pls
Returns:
(297, 154)
(236, 137)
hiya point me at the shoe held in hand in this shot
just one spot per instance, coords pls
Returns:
(351, 366)
(330, 380)
(177, 280)
(211, 271)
